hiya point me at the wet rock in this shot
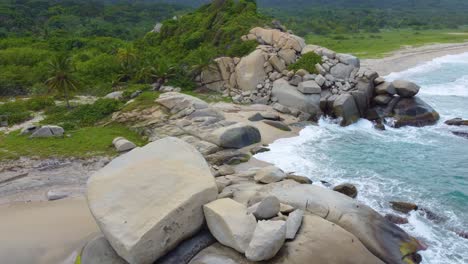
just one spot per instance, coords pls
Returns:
(397, 220)
(267, 240)
(404, 207)
(230, 223)
(345, 107)
(382, 99)
(266, 208)
(457, 122)
(460, 134)
(430, 215)
(347, 189)
(414, 112)
(385, 88)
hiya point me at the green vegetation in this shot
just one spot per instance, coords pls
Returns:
(20, 110)
(372, 45)
(143, 101)
(307, 62)
(62, 80)
(84, 142)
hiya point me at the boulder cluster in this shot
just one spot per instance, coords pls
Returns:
(166, 203)
(338, 87)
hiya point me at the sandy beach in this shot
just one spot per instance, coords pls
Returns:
(412, 56)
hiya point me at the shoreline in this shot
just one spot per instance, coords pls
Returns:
(410, 57)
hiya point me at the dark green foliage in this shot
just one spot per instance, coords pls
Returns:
(21, 110)
(306, 62)
(82, 115)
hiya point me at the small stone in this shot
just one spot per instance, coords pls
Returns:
(267, 208)
(295, 80)
(122, 144)
(309, 87)
(286, 208)
(259, 149)
(293, 223)
(56, 195)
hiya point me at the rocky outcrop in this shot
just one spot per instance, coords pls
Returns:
(405, 89)
(290, 96)
(147, 201)
(345, 108)
(317, 240)
(230, 223)
(457, 122)
(404, 207)
(250, 71)
(385, 240)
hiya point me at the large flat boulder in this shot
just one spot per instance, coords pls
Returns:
(289, 96)
(230, 223)
(318, 241)
(149, 200)
(250, 71)
(48, 131)
(235, 136)
(414, 112)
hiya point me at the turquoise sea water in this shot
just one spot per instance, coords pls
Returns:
(427, 166)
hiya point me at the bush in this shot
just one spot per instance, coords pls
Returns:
(83, 115)
(14, 112)
(39, 103)
(306, 62)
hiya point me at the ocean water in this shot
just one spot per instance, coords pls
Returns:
(427, 166)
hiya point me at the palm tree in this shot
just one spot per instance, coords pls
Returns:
(127, 58)
(62, 81)
(201, 59)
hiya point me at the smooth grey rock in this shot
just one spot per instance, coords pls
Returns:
(405, 89)
(295, 80)
(309, 87)
(289, 96)
(385, 88)
(250, 71)
(267, 208)
(342, 71)
(122, 144)
(293, 223)
(99, 251)
(345, 107)
(270, 174)
(348, 59)
(281, 108)
(267, 240)
(149, 200)
(382, 99)
(48, 131)
(320, 80)
(235, 136)
(230, 223)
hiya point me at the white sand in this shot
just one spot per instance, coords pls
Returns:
(410, 57)
(44, 232)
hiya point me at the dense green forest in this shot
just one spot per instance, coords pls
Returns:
(347, 16)
(110, 44)
(110, 47)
